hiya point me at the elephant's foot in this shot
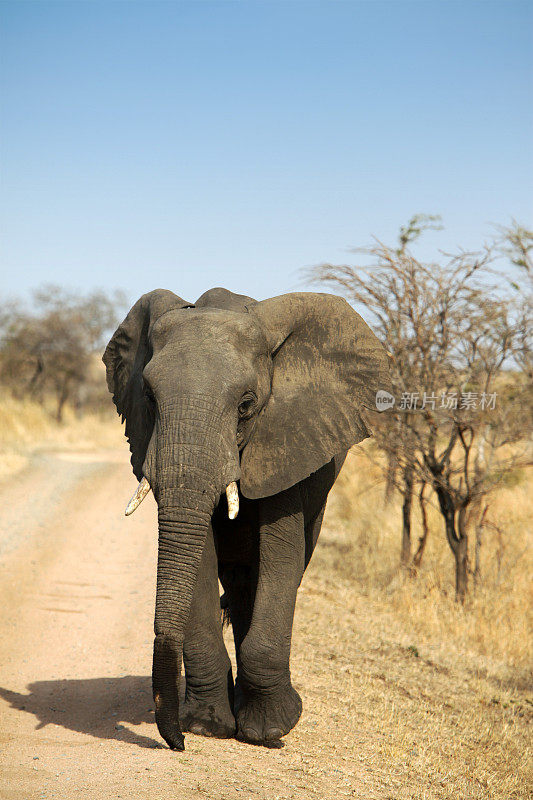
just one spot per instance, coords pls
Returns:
(265, 718)
(207, 718)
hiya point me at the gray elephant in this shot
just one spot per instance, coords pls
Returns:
(239, 415)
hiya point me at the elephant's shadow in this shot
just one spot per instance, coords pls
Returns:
(100, 707)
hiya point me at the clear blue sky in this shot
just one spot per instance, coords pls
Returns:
(195, 144)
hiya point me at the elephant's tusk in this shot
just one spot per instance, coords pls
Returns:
(232, 494)
(140, 493)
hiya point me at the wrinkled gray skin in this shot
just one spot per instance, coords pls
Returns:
(268, 394)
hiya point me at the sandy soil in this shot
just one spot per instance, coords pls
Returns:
(76, 718)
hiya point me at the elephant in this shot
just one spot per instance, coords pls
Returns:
(239, 414)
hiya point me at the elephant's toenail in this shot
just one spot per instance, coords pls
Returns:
(251, 734)
(273, 734)
(197, 729)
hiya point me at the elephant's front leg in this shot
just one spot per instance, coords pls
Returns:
(207, 709)
(267, 705)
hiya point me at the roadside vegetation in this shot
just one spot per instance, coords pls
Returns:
(492, 629)
(50, 348)
(439, 693)
(458, 429)
(430, 522)
(28, 428)
(52, 381)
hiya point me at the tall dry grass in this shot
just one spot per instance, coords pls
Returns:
(27, 427)
(440, 693)
(494, 628)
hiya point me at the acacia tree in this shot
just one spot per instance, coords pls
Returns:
(459, 411)
(47, 349)
(515, 244)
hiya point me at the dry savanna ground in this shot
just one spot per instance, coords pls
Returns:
(405, 694)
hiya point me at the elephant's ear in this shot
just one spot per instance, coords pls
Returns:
(125, 357)
(328, 365)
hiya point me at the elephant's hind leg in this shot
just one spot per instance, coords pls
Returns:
(208, 705)
(239, 583)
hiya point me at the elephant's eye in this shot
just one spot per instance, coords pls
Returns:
(247, 405)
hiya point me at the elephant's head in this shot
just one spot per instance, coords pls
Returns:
(231, 390)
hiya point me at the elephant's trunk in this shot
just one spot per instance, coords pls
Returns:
(188, 472)
(182, 533)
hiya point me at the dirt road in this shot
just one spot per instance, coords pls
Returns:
(76, 719)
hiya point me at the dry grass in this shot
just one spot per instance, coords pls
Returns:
(445, 687)
(496, 621)
(27, 428)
